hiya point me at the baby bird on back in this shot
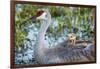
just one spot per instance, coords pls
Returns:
(72, 38)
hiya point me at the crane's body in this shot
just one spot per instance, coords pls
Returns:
(59, 54)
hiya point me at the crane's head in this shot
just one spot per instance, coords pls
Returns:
(41, 14)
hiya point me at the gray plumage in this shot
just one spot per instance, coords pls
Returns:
(62, 53)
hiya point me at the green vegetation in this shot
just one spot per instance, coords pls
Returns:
(70, 19)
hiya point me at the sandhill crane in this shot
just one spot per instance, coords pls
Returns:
(57, 54)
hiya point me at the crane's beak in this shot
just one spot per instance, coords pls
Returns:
(33, 18)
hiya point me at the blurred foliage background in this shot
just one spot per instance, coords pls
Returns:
(79, 20)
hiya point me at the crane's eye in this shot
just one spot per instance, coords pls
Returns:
(46, 15)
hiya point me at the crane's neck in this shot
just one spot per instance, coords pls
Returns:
(43, 29)
(44, 26)
(40, 45)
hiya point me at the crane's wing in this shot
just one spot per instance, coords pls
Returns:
(66, 53)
